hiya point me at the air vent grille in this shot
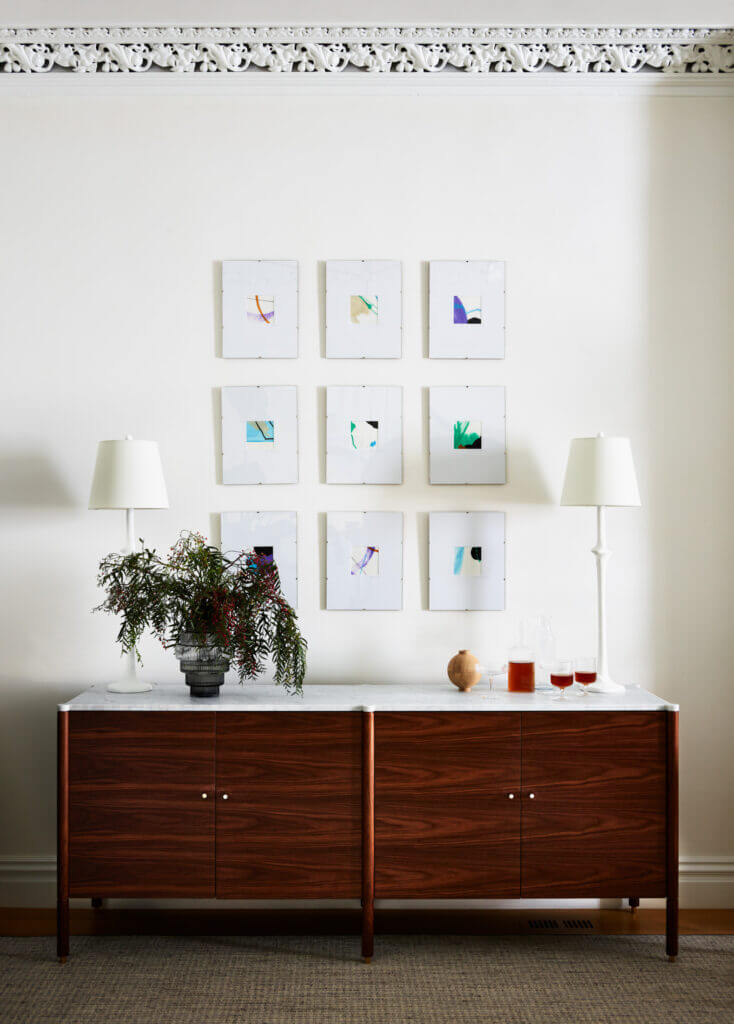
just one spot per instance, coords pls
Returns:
(575, 924)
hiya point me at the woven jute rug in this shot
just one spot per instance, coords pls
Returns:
(550, 979)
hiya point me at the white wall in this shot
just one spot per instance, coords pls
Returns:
(322, 12)
(614, 213)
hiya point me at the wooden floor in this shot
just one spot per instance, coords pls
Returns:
(34, 921)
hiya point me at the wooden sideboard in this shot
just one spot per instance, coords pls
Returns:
(367, 792)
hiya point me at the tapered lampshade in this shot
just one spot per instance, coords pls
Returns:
(128, 474)
(600, 471)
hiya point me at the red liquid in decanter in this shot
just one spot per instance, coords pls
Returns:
(521, 677)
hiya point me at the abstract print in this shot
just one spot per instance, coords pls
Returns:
(467, 435)
(365, 561)
(467, 561)
(363, 309)
(261, 554)
(261, 308)
(467, 311)
(363, 433)
(260, 432)
(262, 539)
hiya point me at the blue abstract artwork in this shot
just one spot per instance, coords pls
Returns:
(467, 311)
(260, 432)
(264, 553)
(365, 561)
(467, 561)
(260, 556)
(363, 433)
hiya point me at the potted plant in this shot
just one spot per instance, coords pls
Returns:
(211, 608)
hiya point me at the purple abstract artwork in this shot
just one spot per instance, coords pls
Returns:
(365, 561)
(467, 311)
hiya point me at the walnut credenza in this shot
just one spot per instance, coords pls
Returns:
(365, 792)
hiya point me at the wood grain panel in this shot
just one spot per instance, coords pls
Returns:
(444, 826)
(138, 823)
(291, 824)
(596, 825)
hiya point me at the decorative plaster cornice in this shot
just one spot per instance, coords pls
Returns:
(397, 48)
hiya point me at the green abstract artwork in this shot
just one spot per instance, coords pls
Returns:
(363, 309)
(467, 435)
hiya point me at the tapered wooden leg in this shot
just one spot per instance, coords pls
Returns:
(62, 840)
(368, 834)
(671, 903)
(634, 903)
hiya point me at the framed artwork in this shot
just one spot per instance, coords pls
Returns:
(260, 309)
(259, 435)
(269, 534)
(467, 309)
(467, 435)
(466, 561)
(364, 309)
(364, 561)
(364, 435)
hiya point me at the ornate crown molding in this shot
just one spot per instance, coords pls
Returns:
(476, 50)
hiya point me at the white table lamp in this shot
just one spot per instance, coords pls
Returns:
(128, 474)
(600, 472)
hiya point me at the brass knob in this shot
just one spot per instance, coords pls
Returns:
(510, 796)
(531, 796)
(225, 796)
(204, 796)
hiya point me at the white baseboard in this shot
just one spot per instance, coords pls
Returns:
(705, 882)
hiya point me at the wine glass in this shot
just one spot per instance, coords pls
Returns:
(561, 676)
(494, 667)
(585, 673)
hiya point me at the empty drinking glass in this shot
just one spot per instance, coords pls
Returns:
(494, 667)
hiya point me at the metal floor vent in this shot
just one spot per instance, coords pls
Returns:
(553, 924)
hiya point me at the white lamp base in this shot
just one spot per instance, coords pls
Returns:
(129, 686)
(604, 684)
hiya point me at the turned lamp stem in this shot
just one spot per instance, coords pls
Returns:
(601, 552)
(131, 672)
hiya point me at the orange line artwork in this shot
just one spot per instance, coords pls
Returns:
(257, 303)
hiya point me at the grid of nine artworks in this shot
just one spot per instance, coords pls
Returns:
(364, 426)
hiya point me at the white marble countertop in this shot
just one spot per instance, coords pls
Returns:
(431, 696)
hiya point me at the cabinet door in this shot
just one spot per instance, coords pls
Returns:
(291, 822)
(596, 824)
(445, 825)
(138, 825)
